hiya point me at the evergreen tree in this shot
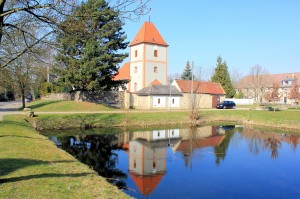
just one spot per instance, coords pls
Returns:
(89, 50)
(187, 73)
(222, 76)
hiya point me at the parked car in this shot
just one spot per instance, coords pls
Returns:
(225, 105)
(27, 99)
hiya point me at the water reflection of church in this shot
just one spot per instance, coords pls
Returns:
(147, 151)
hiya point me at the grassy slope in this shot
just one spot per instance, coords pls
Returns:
(279, 119)
(68, 106)
(31, 166)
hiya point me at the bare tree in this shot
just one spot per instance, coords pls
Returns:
(257, 81)
(46, 16)
(273, 95)
(294, 92)
(235, 76)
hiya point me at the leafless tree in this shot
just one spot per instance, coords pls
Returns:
(294, 93)
(235, 76)
(45, 16)
(257, 81)
(273, 95)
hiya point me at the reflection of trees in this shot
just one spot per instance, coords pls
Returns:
(293, 141)
(97, 152)
(272, 144)
(255, 139)
(220, 151)
(189, 150)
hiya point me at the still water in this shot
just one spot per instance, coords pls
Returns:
(206, 162)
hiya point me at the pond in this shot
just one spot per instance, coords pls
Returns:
(205, 162)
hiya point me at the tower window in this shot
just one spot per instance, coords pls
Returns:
(135, 86)
(135, 53)
(173, 101)
(155, 69)
(155, 53)
(135, 69)
(158, 101)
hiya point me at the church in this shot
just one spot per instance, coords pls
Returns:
(147, 72)
(148, 60)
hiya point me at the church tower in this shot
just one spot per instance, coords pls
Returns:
(148, 60)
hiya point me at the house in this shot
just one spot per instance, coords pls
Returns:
(157, 95)
(207, 94)
(257, 87)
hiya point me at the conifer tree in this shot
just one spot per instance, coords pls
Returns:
(221, 75)
(89, 50)
(187, 73)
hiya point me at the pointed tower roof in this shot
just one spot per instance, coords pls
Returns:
(148, 34)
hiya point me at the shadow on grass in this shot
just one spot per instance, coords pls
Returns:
(27, 137)
(44, 103)
(46, 175)
(8, 165)
(14, 123)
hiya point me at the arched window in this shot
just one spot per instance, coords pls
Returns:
(158, 101)
(155, 69)
(135, 53)
(135, 69)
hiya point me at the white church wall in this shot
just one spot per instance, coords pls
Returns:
(160, 75)
(161, 53)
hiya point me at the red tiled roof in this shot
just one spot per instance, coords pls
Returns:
(148, 34)
(156, 82)
(146, 184)
(200, 87)
(200, 143)
(123, 73)
(269, 79)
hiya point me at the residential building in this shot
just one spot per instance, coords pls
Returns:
(257, 87)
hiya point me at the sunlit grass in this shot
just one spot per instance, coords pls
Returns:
(31, 166)
(66, 106)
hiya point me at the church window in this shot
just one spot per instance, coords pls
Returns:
(135, 69)
(135, 53)
(155, 69)
(158, 101)
(134, 164)
(155, 53)
(154, 164)
(173, 101)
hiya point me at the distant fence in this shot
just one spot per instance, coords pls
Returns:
(241, 101)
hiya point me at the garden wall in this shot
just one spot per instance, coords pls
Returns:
(109, 98)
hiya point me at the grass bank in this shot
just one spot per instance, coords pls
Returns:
(65, 106)
(278, 119)
(31, 166)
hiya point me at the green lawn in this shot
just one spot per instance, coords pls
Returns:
(31, 166)
(65, 106)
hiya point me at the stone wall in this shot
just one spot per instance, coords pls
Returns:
(57, 96)
(109, 98)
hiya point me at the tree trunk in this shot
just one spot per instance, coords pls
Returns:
(23, 99)
(2, 2)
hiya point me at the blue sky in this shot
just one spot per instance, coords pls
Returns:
(243, 32)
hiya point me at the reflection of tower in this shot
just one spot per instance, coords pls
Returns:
(147, 164)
